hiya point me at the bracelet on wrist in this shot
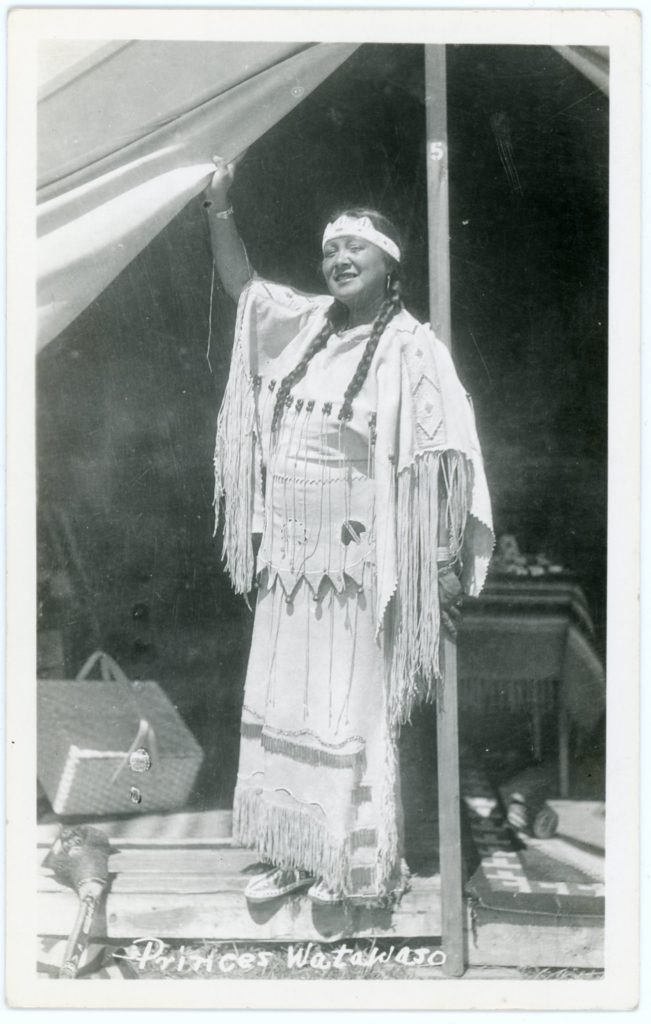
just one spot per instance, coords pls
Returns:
(219, 214)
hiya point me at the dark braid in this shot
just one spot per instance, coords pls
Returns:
(389, 308)
(334, 317)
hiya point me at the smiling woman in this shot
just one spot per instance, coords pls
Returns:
(346, 440)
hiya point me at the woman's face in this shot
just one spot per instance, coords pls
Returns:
(355, 272)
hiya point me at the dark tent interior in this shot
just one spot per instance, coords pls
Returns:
(128, 394)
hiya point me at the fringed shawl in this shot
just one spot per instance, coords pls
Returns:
(427, 456)
(428, 459)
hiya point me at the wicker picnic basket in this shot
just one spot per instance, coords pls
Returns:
(112, 745)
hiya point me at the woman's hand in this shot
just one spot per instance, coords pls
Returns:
(221, 181)
(450, 598)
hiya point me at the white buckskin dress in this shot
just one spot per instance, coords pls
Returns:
(346, 628)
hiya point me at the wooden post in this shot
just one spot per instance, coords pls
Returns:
(437, 192)
(452, 908)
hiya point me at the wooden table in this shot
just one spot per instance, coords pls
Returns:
(528, 643)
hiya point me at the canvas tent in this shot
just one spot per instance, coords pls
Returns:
(126, 142)
(127, 400)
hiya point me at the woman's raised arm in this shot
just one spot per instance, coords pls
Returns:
(228, 249)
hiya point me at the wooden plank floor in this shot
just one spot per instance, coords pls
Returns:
(195, 889)
(192, 888)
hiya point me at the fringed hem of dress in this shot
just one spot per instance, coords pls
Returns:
(293, 838)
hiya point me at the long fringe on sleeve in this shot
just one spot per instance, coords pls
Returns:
(234, 473)
(415, 627)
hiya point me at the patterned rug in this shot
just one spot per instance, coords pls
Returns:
(515, 873)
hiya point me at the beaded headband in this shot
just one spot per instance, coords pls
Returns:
(361, 227)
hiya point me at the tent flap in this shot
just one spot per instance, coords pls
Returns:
(110, 183)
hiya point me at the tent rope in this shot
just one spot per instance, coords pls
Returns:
(210, 307)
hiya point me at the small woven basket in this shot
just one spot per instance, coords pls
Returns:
(103, 742)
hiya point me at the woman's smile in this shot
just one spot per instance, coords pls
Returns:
(345, 275)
